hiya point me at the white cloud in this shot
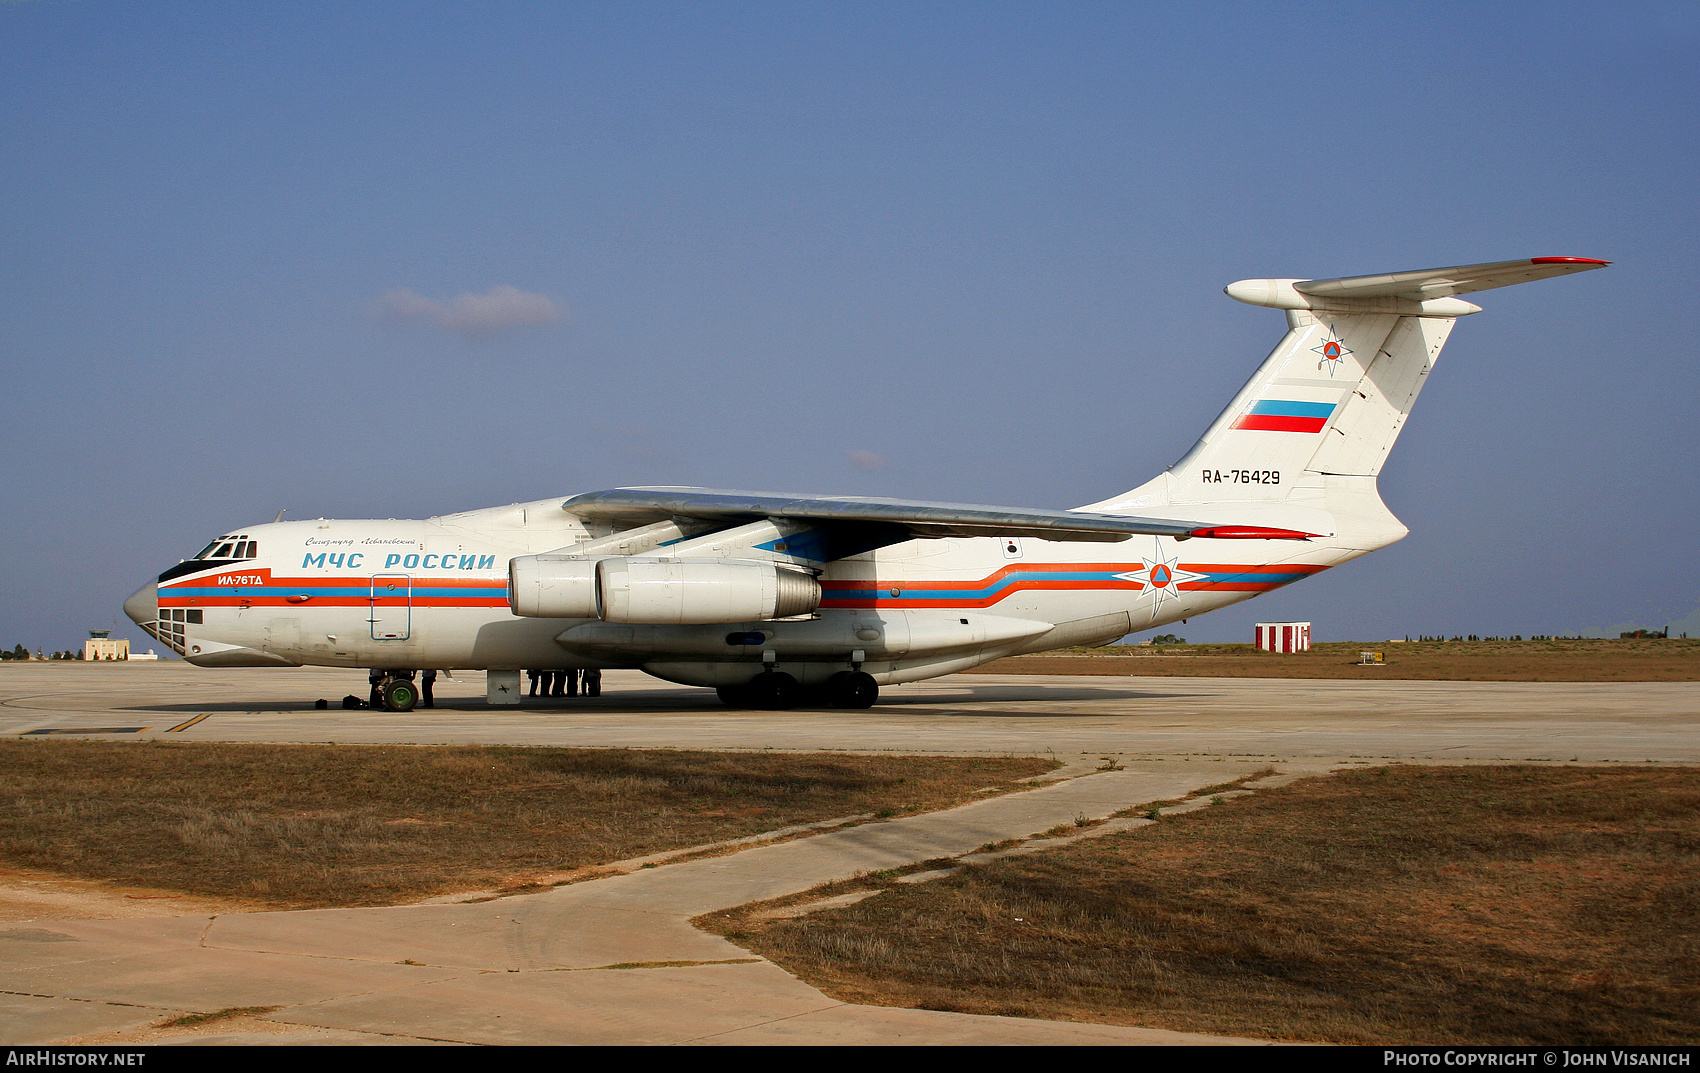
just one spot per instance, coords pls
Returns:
(865, 459)
(474, 315)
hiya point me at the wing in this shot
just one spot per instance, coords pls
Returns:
(639, 506)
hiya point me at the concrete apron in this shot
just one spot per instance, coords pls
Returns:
(574, 965)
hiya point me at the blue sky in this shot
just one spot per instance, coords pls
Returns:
(970, 252)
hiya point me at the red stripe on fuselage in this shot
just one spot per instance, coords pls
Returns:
(1242, 584)
(906, 600)
(980, 583)
(271, 591)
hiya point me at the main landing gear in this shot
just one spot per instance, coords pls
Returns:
(776, 690)
(852, 689)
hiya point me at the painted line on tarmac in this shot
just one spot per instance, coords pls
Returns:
(186, 725)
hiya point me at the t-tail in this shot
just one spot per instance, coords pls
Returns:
(1311, 429)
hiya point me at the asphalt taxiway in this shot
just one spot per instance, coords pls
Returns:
(615, 960)
(959, 714)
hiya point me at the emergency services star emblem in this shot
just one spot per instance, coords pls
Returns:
(1160, 578)
(1333, 351)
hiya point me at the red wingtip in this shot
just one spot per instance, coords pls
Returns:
(1566, 261)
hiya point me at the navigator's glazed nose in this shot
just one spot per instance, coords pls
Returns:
(143, 604)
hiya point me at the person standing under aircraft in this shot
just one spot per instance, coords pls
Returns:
(376, 678)
(592, 682)
(426, 681)
(532, 674)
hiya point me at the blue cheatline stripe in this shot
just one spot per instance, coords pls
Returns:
(1005, 582)
(1288, 408)
(427, 591)
(1238, 579)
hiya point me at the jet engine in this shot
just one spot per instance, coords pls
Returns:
(659, 591)
(552, 586)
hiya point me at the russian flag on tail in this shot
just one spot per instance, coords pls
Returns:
(1279, 415)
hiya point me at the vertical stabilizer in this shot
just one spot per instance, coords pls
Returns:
(1324, 409)
(1369, 417)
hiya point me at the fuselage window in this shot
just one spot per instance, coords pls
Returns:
(223, 552)
(204, 552)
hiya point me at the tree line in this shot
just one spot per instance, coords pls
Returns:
(20, 652)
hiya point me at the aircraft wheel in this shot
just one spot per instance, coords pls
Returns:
(400, 695)
(774, 691)
(852, 689)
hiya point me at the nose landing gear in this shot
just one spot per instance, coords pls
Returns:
(393, 691)
(400, 694)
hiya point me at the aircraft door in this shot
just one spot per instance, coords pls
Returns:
(283, 636)
(392, 607)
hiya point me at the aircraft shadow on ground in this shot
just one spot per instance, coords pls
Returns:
(679, 701)
(1021, 694)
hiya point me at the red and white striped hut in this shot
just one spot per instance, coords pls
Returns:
(1283, 636)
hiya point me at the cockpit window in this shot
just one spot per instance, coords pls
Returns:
(230, 547)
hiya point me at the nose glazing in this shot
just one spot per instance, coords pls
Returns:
(143, 604)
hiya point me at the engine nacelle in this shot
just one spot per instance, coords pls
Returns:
(552, 586)
(694, 591)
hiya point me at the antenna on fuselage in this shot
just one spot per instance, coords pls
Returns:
(279, 517)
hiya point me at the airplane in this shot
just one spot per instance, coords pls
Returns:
(779, 600)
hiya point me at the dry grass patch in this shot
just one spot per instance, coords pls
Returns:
(226, 1014)
(1503, 905)
(326, 825)
(1578, 660)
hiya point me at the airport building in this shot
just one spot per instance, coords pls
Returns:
(102, 645)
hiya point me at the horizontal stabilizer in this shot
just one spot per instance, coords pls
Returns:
(1430, 292)
(639, 506)
(1426, 283)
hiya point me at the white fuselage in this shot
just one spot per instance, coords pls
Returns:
(433, 594)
